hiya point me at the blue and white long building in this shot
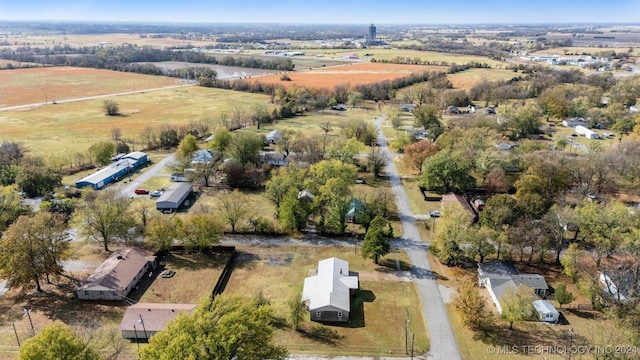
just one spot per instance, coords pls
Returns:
(115, 171)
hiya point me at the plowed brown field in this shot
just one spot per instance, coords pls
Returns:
(353, 74)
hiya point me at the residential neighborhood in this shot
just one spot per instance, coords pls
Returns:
(309, 191)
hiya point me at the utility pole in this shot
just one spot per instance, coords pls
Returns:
(143, 327)
(413, 343)
(27, 312)
(406, 336)
(135, 331)
(16, 332)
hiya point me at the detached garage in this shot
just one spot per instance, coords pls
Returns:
(174, 196)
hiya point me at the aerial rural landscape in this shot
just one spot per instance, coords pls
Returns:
(324, 189)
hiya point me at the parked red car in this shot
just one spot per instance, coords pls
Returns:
(142, 191)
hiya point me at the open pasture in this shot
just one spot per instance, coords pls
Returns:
(47, 84)
(73, 127)
(353, 74)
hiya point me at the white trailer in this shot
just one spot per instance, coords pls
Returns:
(589, 134)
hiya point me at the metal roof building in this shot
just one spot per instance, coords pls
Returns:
(114, 171)
(174, 196)
(328, 294)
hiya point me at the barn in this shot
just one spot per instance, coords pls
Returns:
(174, 196)
(328, 293)
(120, 168)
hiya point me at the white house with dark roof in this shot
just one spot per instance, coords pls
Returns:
(498, 276)
(116, 276)
(327, 294)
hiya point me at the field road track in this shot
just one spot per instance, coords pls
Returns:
(29, 106)
(443, 345)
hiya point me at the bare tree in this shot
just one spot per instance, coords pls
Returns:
(233, 207)
(116, 134)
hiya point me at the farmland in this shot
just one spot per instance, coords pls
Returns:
(47, 84)
(352, 74)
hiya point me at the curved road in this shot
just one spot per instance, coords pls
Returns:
(443, 342)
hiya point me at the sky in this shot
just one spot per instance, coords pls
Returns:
(326, 11)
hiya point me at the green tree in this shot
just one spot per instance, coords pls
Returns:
(452, 231)
(571, 262)
(221, 329)
(187, 147)
(284, 179)
(332, 169)
(10, 206)
(33, 247)
(446, 172)
(57, 341)
(221, 141)
(37, 180)
(233, 207)
(523, 120)
(111, 107)
(345, 150)
(292, 213)
(428, 116)
(199, 231)
(102, 152)
(296, 311)
(355, 98)
(562, 295)
(517, 304)
(105, 216)
(606, 226)
(376, 240)
(260, 115)
(245, 147)
(624, 126)
(480, 242)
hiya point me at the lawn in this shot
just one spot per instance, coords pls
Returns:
(279, 273)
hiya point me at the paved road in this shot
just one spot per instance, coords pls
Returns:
(443, 342)
(128, 189)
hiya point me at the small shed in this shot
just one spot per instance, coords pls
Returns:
(545, 311)
(143, 320)
(174, 196)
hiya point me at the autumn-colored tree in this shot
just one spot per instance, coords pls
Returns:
(471, 306)
(32, 248)
(517, 304)
(416, 153)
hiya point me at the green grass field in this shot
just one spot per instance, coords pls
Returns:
(387, 302)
